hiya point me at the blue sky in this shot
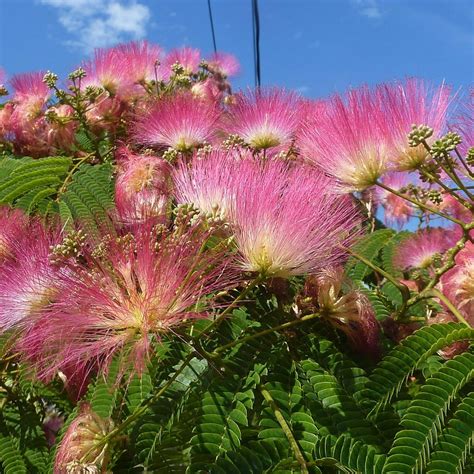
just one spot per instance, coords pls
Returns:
(314, 46)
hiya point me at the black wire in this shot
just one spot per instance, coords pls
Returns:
(212, 26)
(256, 42)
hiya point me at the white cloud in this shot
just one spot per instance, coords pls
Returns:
(368, 8)
(100, 23)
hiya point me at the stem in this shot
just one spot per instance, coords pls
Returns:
(220, 318)
(71, 172)
(141, 409)
(461, 159)
(402, 288)
(286, 429)
(449, 190)
(439, 272)
(419, 204)
(435, 292)
(256, 335)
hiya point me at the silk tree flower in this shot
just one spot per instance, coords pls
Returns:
(188, 58)
(264, 118)
(458, 283)
(396, 209)
(30, 94)
(142, 61)
(349, 311)
(420, 250)
(347, 139)
(79, 450)
(135, 293)
(182, 122)
(108, 70)
(464, 125)
(12, 224)
(29, 282)
(224, 64)
(413, 102)
(143, 188)
(208, 182)
(288, 221)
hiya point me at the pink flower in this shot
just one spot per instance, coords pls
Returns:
(349, 311)
(407, 103)
(29, 282)
(141, 60)
(458, 283)
(12, 226)
(224, 64)
(30, 93)
(142, 188)
(208, 182)
(264, 118)
(418, 250)
(79, 450)
(189, 58)
(135, 292)
(109, 71)
(347, 139)
(464, 125)
(181, 122)
(396, 209)
(288, 221)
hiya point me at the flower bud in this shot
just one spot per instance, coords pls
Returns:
(81, 449)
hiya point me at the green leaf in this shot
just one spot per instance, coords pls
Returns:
(392, 372)
(451, 452)
(368, 247)
(425, 416)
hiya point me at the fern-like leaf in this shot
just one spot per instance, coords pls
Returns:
(395, 368)
(424, 418)
(455, 443)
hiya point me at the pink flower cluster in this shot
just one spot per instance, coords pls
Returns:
(213, 189)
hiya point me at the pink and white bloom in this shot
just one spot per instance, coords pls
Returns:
(412, 102)
(140, 289)
(80, 450)
(28, 282)
(288, 221)
(264, 118)
(347, 139)
(143, 188)
(30, 94)
(396, 209)
(224, 64)
(418, 250)
(107, 70)
(182, 122)
(209, 182)
(142, 60)
(349, 311)
(12, 225)
(187, 57)
(458, 283)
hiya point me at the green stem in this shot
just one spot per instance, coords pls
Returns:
(419, 204)
(461, 159)
(435, 292)
(439, 272)
(402, 288)
(214, 324)
(286, 429)
(450, 191)
(265, 332)
(141, 409)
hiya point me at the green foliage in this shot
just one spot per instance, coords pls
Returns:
(369, 247)
(32, 185)
(89, 198)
